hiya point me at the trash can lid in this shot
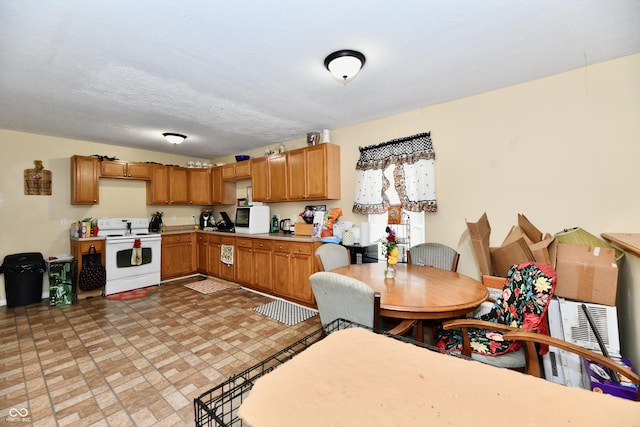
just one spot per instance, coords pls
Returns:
(27, 261)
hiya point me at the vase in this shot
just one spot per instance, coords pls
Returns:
(390, 272)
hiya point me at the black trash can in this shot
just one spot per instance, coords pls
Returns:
(23, 278)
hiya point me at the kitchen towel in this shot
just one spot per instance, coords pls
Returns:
(226, 254)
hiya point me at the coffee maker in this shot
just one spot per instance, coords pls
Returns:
(206, 220)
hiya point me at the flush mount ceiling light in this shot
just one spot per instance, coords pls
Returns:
(174, 138)
(345, 64)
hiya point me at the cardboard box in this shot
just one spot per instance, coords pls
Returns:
(597, 379)
(480, 233)
(587, 274)
(524, 242)
(303, 229)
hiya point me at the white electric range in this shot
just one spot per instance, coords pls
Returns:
(124, 271)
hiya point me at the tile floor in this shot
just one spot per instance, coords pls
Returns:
(141, 362)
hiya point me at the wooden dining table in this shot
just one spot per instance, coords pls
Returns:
(419, 292)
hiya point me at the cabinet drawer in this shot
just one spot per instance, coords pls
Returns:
(214, 238)
(301, 248)
(176, 238)
(202, 238)
(281, 246)
(244, 242)
(228, 240)
(262, 244)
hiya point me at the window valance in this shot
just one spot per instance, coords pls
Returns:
(413, 158)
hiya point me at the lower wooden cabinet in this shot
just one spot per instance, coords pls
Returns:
(293, 263)
(227, 271)
(254, 263)
(178, 252)
(80, 248)
(276, 267)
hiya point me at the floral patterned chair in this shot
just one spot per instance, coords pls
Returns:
(522, 305)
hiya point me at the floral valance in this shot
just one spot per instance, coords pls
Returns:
(413, 176)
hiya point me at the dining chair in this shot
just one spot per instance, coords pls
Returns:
(434, 254)
(342, 297)
(530, 339)
(523, 304)
(331, 255)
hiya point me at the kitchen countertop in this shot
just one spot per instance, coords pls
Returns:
(177, 229)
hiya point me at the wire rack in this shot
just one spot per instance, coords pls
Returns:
(219, 405)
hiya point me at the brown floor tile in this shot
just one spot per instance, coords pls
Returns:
(101, 362)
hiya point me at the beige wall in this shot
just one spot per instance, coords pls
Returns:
(562, 150)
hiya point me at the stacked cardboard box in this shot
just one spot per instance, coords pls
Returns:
(585, 273)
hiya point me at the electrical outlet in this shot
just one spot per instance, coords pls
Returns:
(63, 221)
(193, 217)
(173, 217)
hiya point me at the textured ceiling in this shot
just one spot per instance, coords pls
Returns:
(239, 74)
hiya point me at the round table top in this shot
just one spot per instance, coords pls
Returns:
(419, 292)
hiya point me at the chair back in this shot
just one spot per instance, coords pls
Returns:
(434, 254)
(330, 256)
(525, 298)
(343, 297)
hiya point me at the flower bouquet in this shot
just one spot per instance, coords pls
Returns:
(390, 251)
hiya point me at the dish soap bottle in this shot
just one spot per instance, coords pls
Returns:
(274, 224)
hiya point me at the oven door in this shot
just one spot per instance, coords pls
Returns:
(119, 251)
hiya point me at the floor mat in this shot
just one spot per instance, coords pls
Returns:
(134, 294)
(209, 286)
(284, 312)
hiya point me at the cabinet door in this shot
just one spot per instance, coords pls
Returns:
(158, 187)
(137, 170)
(227, 271)
(199, 186)
(281, 273)
(176, 255)
(243, 169)
(113, 169)
(277, 177)
(297, 165)
(223, 192)
(84, 180)
(301, 268)
(229, 171)
(202, 242)
(262, 262)
(214, 255)
(178, 185)
(244, 258)
(260, 179)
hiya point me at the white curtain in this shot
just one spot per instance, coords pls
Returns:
(414, 175)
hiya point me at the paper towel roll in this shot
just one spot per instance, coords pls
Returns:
(365, 228)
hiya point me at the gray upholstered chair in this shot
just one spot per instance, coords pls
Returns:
(332, 255)
(342, 297)
(435, 255)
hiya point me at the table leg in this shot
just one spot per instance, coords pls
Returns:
(419, 328)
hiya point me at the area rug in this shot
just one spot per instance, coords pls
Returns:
(209, 286)
(284, 312)
(134, 294)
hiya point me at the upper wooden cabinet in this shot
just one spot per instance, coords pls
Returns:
(269, 178)
(125, 170)
(168, 186)
(311, 173)
(85, 172)
(223, 192)
(314, 173)
(199, 186)
(236, 171)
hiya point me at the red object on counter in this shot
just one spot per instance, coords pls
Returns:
(137, 243)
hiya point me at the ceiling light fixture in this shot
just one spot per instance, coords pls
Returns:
(345, 64)
(174, 138)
